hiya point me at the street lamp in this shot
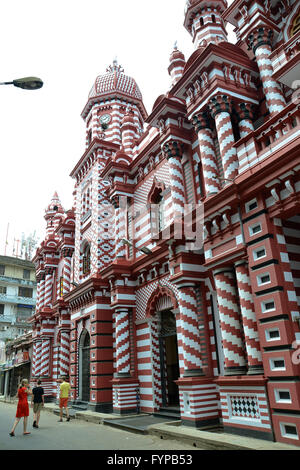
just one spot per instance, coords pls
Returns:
(144, 250)
(27, 83)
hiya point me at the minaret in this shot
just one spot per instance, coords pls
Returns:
(203, 20)
(53, 214)
(177, 64)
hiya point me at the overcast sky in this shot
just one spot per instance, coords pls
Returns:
(68, 43)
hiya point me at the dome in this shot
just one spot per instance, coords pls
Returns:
(115, 81)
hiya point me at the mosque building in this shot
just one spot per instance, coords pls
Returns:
(175, 277)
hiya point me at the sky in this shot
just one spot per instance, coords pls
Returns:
(68, 43)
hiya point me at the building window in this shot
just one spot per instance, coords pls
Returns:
(263, 279)
(289, 430)
(26, 273)
(1, 309)
(25, 292)
(277, 364)
(283, 396)
(251, 205)
(272, 334)
(259, 253)
(254, 229)
(2, 269)
(2, 290)
(268, 306)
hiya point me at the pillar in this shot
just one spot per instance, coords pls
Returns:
(220, 106)
(45, 361)
(230, 322)
(120, 205)
(42, 293)
(38, 358)
(249, 319)
(207, 153)
(48, 289)
(245, 119)
(174, 153)
(122, 342)
(260, 41)
(64, 353)
(190, 335)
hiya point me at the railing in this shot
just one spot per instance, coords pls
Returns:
(270, 137)
(14, 299)
(15, 280)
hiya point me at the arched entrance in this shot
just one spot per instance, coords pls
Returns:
(169, 362)
(162, 308)
(84, 366)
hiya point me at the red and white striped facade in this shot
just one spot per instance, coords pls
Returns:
(138, 312)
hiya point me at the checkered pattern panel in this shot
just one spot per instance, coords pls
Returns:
(244, 406)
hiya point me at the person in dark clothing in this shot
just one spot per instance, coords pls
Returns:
(37, 402)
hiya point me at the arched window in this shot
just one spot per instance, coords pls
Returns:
(296, 25)
(157, 207)
(86, 260)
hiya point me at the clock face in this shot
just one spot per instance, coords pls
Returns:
(105, 119)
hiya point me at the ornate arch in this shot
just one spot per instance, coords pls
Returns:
(156, 296)
(156, 188)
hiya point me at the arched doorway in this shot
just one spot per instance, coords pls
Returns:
(84, 366)
(162, 308)
(169, 361)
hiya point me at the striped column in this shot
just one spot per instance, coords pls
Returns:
(38, 358)
(33, 361)
(45, 362)
(64, 355)
(55, 361)
(207, 152)
(244, 113)
(122, 342)
(38, 290)
(260, 41)
(42, 293)
(67, 275)
(120, 206)
(220, 106)
(48, 289)
(174, 152)
(249, 319)
(189, 329)
(230, 322)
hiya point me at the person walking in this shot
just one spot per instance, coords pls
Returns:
(64, 398)
(22, 407)
(37, 403)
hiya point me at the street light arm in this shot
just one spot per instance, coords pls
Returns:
(27, 83)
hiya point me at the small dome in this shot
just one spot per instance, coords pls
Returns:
(157, 101)
(115, 81)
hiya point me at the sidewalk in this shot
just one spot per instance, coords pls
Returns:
(172, 430)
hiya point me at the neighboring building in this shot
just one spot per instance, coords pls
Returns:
(17, 365)
(127, 300)
(17, 296)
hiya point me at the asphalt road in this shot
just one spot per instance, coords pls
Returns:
(75, 435)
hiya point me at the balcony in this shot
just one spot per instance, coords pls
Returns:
(15, 299)
(17, 281)
(272, 136)
(286, 62)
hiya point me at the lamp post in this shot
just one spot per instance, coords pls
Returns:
(27, 83)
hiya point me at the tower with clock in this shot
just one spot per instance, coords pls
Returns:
(108, 100)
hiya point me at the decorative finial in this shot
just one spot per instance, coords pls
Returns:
(115, 67)
(175, 45)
